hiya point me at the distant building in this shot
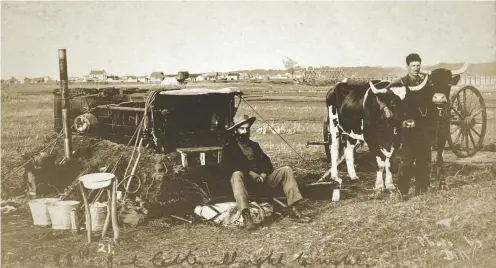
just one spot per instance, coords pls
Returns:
(12, 80)
(245, 76)
(142, 79)
(98, 75)
(211, 76)
(113, 79)
(37, 80)
(232, 76)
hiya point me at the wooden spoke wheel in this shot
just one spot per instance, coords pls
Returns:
(468, 122)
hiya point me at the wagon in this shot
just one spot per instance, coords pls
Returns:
(468, 122)
(166, 119)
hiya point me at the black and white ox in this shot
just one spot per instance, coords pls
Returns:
(426, 106)
(355, 116)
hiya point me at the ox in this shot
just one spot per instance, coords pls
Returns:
(426, 110)
(354, 114)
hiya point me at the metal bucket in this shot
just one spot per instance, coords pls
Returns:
(63, 214)
(39, 211)
(98, 213)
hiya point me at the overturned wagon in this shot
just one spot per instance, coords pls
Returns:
(165, 119)
(183, 131)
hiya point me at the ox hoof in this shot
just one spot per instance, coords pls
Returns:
(378, 188)
(354, 179)
(338, 180)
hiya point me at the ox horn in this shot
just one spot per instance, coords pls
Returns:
(375, 90)
(461, 70)
(425, 72)
(422, 85)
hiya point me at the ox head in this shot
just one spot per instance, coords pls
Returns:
(392, 97)
(431, 96)
(440, 82)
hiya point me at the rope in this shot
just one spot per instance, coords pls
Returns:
(265, 121)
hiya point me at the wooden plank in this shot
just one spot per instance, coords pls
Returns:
(198, 149)
(184, 159)
(219, 156)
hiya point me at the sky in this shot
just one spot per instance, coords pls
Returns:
(136, 38)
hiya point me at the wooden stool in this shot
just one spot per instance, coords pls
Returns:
(111, 210)
(202, 150)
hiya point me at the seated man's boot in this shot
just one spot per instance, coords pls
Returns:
(295, 214)
(249, 224)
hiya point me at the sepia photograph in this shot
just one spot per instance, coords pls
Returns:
(248, 134)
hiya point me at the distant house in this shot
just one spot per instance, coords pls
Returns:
(113, 79)
(98, 75)
(297, 74)
(245, 76)
(47, 79)
(200, 78)
(211, 76)
(12, 80)
(142, 79)
(37, 80)
(232, 76)
(193, 77)
(130, 79)
(156, 77)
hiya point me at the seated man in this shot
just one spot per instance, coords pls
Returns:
(251, 168)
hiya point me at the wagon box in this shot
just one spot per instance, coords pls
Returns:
(166, 119)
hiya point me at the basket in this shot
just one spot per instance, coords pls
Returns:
(39, 211)
(63, 214)
(98, 213)
(96, 180)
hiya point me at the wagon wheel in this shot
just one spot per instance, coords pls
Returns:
(468, 122)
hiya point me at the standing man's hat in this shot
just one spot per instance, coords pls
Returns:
(242, 119)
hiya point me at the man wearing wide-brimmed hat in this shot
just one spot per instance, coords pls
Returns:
(252, 169)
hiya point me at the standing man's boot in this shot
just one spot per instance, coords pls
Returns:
(249, 225)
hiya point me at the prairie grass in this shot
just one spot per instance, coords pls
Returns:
(380, 231)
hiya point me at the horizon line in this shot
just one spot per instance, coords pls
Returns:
(282, 69)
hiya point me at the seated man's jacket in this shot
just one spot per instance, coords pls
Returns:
(251, 158)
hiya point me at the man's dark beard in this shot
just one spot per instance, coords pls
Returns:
(243, 137)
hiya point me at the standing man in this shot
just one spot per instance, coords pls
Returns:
(251, 169)
(414, 148)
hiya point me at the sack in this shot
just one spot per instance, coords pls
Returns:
(227, 214)
(132, 216)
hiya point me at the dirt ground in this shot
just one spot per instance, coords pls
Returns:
(452, 227)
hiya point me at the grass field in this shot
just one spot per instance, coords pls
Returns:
(359, 231)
